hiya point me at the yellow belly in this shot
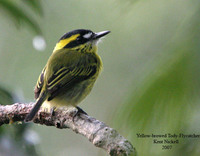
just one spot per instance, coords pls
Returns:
(72, 97)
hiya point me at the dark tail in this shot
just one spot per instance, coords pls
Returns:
(35, 109)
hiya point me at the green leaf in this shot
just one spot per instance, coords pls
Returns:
(19, 15)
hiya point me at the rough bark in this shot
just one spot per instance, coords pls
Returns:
(96, 131)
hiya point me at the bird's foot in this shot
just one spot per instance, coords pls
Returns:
(70, 111)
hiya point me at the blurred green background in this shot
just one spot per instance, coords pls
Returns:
(151, 78)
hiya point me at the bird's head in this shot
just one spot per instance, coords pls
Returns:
(80, 40)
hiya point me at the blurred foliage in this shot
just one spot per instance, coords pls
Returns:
(19, 15)
(168, 100)
(36, 5)
(5, 97)
(12, 137)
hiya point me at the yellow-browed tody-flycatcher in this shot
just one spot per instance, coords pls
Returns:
(70, 72)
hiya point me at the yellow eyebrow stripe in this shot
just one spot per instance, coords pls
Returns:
(62, 43)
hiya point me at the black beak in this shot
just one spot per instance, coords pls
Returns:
(100, 34)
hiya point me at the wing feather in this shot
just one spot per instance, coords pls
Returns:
(66, 80)
(39, 83)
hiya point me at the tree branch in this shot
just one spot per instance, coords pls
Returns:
(96, 131)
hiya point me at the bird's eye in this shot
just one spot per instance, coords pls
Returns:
(78, 38)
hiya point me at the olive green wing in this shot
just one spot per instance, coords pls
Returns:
(66, 77)
(39, 84)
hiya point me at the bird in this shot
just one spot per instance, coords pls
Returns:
(70, 72)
